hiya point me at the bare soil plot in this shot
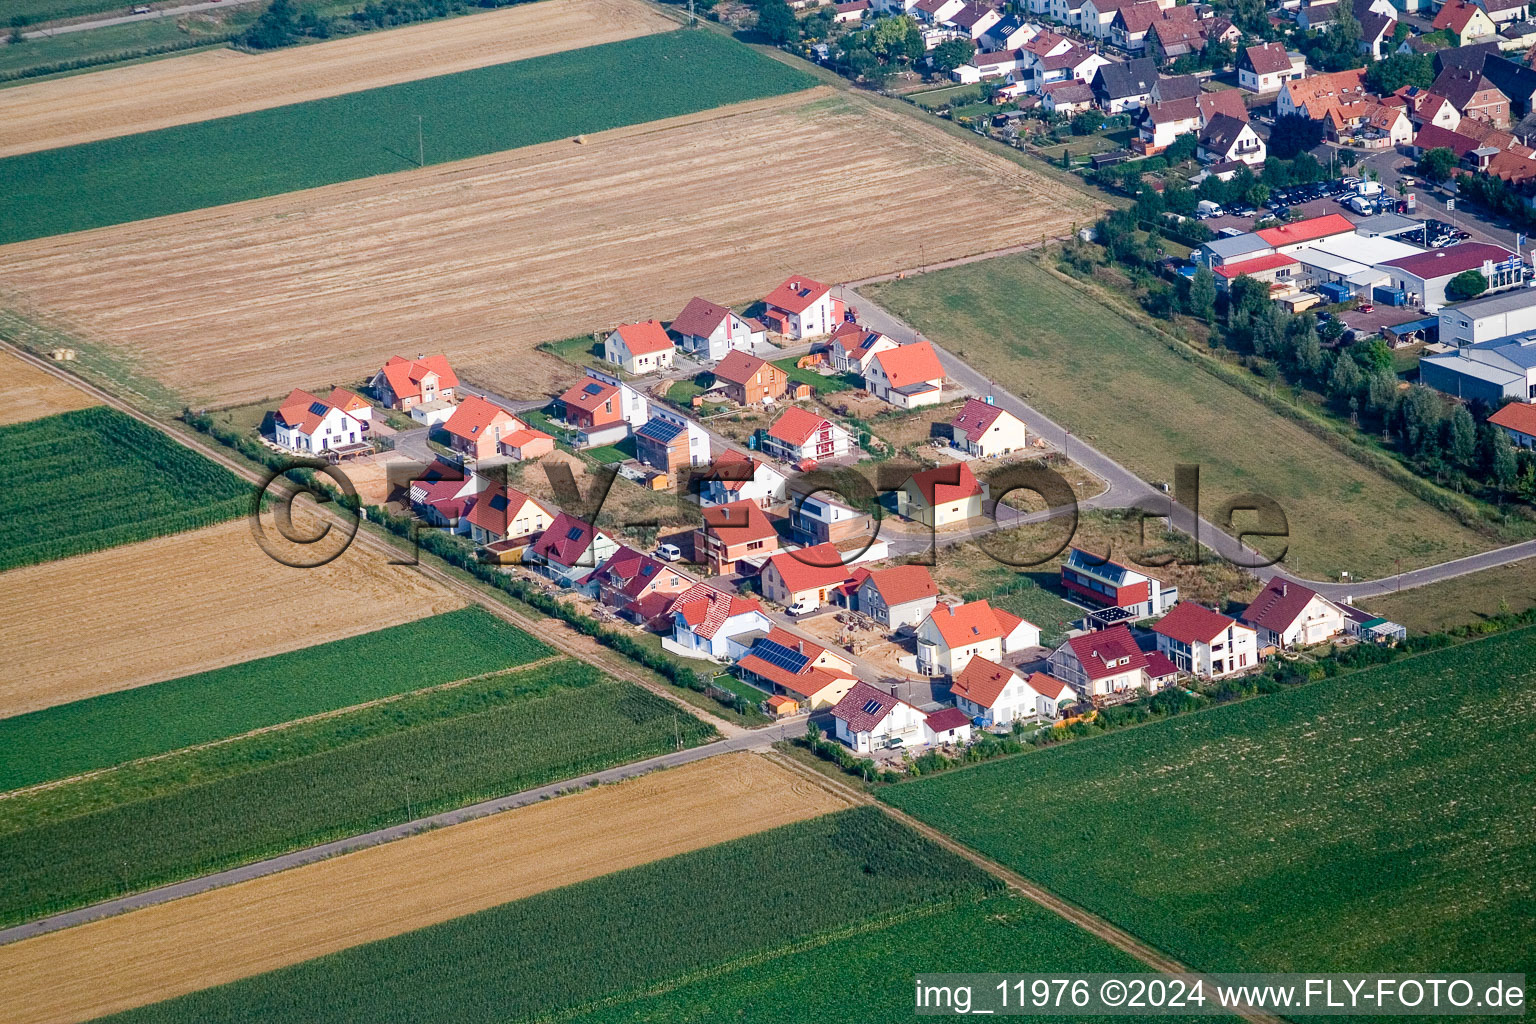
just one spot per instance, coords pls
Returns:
(143, 613)
(221, 83)
(257, 926)
(27, 393)
(485, 258)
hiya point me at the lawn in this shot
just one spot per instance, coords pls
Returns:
(361, 134)
(1140, 400)
(1378, 821)
(153, 823)
(607, 454)
(823, 383)
(933, 99)
(117, 727)
(613, 938)
(1462, 601)
(96, 478)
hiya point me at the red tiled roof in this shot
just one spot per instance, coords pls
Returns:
(982, 681)
(1269, 58)
(1046, 686)
(1278, 604)
(565, 541)
(588, 393)
(700, 317)
(976, 418)
(1452, 260)
(810, 568)
(946, 719)
(796, 295)
(1432, 136)
(903, 583)
(739, 367)
(739, 523)
(303, 411)
(1096, 650)
(345, 400)
(519, 438)
(496, 508)
(972, 623)
(1307, 230)
(706, 609)
(1455, 15)
(474, 417)
(405, 375)
(1227, 101)
(644, 337)
(1519, 416)
(944, 484)
(1273, 261)
(796, 425)
(863, 707)
(910, 364)
(1159, 667)
(1192, 624)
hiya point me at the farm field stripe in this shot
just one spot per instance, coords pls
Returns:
(27, 393)
(286, 918)
(127, 725)
(221, 83)
(381, 131)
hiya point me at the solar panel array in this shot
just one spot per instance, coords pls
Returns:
(779, 656)
(872, 707)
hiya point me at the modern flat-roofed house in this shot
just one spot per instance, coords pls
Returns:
(985, 430)
(711, 331)
(1287, 614)
(707, 622)
(800, 434)
(802, 308)
(942, 496)
(1205, 642)
(739, 531)
(1105, 584)
(820, 520)
(403, 383)
(952, 635)
(782, 662)
(1103, 662)
(901, 595)
(749, 380)
(640, 348)
(909, 377)
(867, 719)
(337, 422)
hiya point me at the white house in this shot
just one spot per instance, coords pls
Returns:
(952, 635)
(802, 434)
(305, 423)
(803, 308)
(1287, 614)
(984, 429)
(1265, 68)
(1206, 643)
(569, 549)
(1053, 693)
(707, 622)
(852, 346)
(908, 377)
(942, 496)
(902, 595)
(947, 725)
(504, 513)
(735, 477)
(1225, 139)
(993, 694)
(987, 65)
(1518, 421)
(868, 719)
(1106, 584)
(1102, 662)
(639, 348)
(711, 331)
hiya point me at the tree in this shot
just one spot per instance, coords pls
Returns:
(277, 26)
(1307, 351)
(1346, 380)
(1257, 194)
(1460, 438)
(1269, 330)
(1419, 420)
(776, 21)
(1202, 294)
(1294, 134)
(1468, 284)
(1372, 355)
(1387, 76)
(951, 53)
(1437, 164)
(1496, 456)
(1086, 122)
(1380, 391)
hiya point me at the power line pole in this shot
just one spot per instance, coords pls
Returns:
(421, 152)
(691, 20)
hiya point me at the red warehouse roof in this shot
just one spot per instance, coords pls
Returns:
(1307, 230)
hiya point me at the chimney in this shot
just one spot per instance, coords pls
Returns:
(1283, 588)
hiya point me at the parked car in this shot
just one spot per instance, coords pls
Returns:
(1365, 307)
(669, 553)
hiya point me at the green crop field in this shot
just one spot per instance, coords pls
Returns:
(618, 935)
(117, 727)
(1123, 389)
(96, 478)
(360, 134)
(1379, 821)
(153, 823)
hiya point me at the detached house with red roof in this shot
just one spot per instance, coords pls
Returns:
(986, 430)
(800, 434)
(851, 347)
(909, 377)
(569, 549)
(902, 595)
(706, 623)
(1466, 23)
(1518, 421)
(734, 477)
(479, 429)
(802, 308)
(591, 404)
(1108, 661)
(738, 532)
(498, 514)
(1287, 614)
(953, 634)
(748, 380)
(443, 493)
(637, 586)
(942, 496)
(640, 348)
(804, 580)
(404, 383)
(708, 330)
(994, 694)
(1205, 642)
(782, 662)
(1265, 68)
(867, 719)
(337, 422)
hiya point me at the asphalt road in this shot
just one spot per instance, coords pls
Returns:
(125, 19)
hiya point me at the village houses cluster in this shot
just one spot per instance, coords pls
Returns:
(739, 590)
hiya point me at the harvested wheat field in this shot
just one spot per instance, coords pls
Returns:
(245, 929)
(220, 83)
(164, 608)
(487, 257)
(27, 393)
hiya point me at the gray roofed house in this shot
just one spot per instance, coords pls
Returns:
(1514, 80)
(1180, 87)
(1127, 86)
(1471, 56)
(1223, 138)
(1221, 251)
(1376, 31)
(1387, 225)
